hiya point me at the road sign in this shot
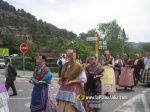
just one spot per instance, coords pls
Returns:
(103, 47)
(104, 42)
(100, 43)
(4, 51)
(91, 38)
(23, 47)
(100, 47)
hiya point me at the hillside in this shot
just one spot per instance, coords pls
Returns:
(24, 26)
(133, 44)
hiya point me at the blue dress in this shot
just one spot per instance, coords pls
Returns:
(40, 90)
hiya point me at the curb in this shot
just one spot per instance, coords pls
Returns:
(28, 77)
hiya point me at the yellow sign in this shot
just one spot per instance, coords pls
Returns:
(4, 51)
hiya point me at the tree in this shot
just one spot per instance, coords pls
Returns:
(81, 49)
(12, 43)
(111, 30)
(31, 50)
(145, 47)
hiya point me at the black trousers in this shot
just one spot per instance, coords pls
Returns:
(10, 83)
(59, 71)
(137, 74)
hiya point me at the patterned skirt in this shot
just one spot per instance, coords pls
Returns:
(94, 87)
(127, 77)
(4, 98)
(51, 102)
(145, 76)
(69, 99)
(117, 77)
(39, 98)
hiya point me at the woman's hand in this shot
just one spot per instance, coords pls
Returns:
(109, 65)
(69, 82)
(49, 82)
(30, 81)
(97, 76)
(59, 82)
(116, 68)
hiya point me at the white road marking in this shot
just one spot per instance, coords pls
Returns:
(146, 107)
(27, 105)
(17, 91)
(129, 106)
(24, 98)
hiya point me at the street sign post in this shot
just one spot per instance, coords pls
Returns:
(91, 38)
(23, 49)
(96, 43)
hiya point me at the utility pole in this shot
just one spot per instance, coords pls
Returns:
(123, 35)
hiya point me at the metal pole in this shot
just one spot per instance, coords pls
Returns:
(96, 47)
(23, 64)
(122, 48)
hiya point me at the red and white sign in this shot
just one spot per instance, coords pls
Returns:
(23, 47)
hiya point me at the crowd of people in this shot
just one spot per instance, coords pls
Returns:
(78, 80)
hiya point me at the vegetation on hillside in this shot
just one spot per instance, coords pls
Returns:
(48, 38)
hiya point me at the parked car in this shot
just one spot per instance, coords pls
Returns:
(2, 64)
(14, 55)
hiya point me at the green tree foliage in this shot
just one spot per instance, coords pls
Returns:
(82, 50)
(11, 42)
(111, 30)
(31, 50)
(44, 35)
(145, 47)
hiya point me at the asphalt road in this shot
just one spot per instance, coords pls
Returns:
(138, 99)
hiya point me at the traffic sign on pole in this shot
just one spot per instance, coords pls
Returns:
(91, 38)
(23, 47)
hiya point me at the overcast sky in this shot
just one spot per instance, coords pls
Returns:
(82, 15)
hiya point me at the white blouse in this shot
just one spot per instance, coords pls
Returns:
(82, 77)
(147, 63)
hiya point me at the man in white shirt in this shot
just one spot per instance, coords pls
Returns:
(60, 64)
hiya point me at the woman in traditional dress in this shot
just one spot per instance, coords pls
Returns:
(108, 78)
(145, 74)
(127, 78)
(94, 84)
(117, 68)
(42, 97)
(4, 98)
(72, 86)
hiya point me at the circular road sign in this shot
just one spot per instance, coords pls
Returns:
(23, 47)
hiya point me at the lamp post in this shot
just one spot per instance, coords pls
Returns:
(123, 35)
(96, 45)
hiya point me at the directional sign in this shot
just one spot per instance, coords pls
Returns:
(100, 43)
(4, 51)
(105, 47)
(91, 38)
(100, 47)
(104, 42)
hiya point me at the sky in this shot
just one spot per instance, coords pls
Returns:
(82, 15)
